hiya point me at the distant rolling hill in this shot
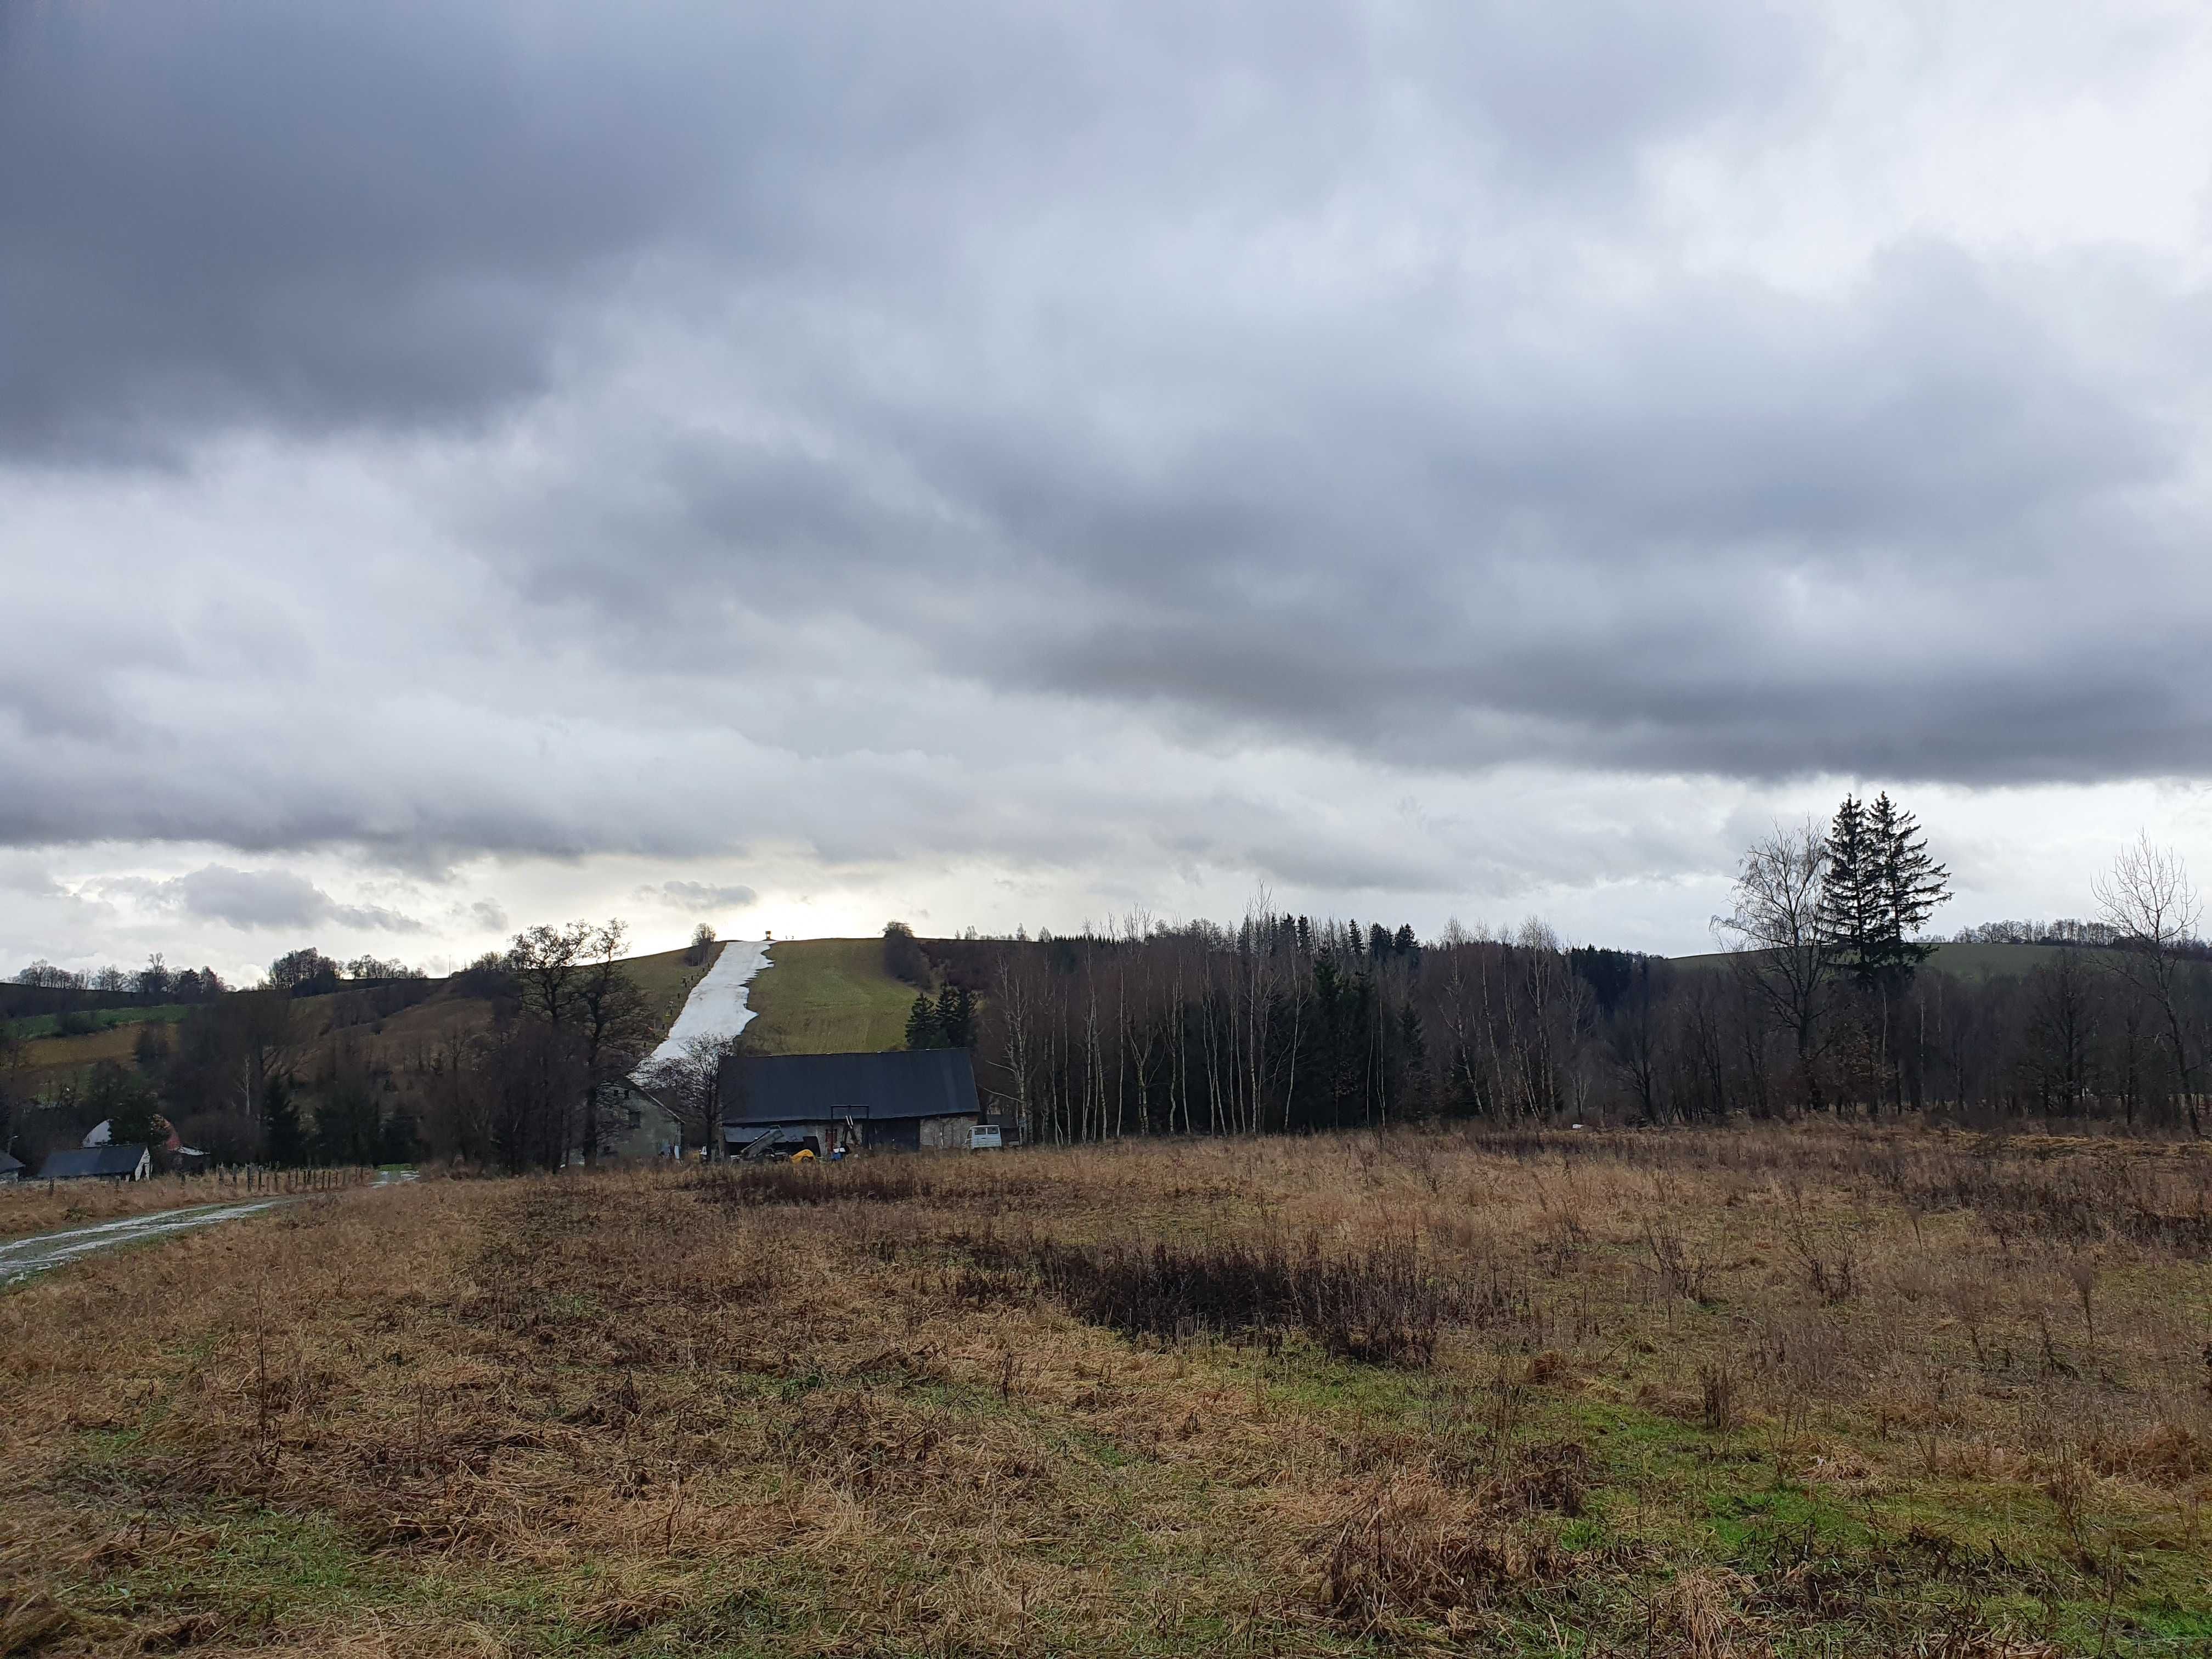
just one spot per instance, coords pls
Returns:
(1969, 961)
(350, 1017)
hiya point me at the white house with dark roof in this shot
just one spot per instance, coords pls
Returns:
(109, 1163)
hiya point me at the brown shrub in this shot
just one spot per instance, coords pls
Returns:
(1716, 1399)
(1382, 1305)
(867, 1181)
(1552, 1477)
(1405, 1548)
(1547, 1366)
(2167, 1454)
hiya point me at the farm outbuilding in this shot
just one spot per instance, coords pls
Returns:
(917, 1099)
(635, 1123)
(11, 1169)
(108, 1162)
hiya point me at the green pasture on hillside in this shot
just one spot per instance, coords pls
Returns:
(102, 1019)
(828, 996)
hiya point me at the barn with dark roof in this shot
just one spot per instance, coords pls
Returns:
(917, 1099)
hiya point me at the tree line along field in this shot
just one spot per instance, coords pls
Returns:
(1819, 1391)
(1277, 1024)
(817, 995)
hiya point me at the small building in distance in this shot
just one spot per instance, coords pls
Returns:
(635, 1123)
(915, 1099)
(109, 1163)
(11, 1169)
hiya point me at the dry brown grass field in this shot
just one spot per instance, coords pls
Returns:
(1788, 1393)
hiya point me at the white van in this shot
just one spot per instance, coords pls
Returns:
(984, 1138)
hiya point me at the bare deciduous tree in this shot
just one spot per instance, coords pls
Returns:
(1775, 932)
(690, 1085)
(614, 1023)
(2150, 903)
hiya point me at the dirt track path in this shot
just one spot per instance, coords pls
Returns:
(19, 1258)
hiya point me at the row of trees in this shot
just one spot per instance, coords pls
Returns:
(1825, 1001)
(304, 972)
(307, 972)
(255, 1078)
(155, 982)
(1282, 1022)
(569, 1024)
(211, 1075)
(947, 1022)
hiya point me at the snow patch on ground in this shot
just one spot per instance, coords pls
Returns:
(716, 1006)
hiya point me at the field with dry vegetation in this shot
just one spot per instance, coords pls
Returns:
(1802, 1392)
(40, 1206)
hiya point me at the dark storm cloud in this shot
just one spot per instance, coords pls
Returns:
(1307, 380)
(223, 210)
(1722, 530)
(226, 210)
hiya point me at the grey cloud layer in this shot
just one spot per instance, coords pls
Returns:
(251, 900)
(700, 897)
(1314, 380)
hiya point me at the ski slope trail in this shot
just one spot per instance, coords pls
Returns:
(716, 1006)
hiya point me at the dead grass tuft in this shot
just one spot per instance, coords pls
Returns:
(1698, 1613)
(2170, 1454)
(868, 1181)
(1407, 1547)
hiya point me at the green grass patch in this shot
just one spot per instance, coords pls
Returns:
(828, 996)
(31, 1026)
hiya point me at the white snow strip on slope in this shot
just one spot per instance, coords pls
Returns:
(716, 1006)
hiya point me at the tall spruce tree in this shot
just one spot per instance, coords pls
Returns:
(956, 1017)
(1850, 905)
(923, 1029)
(1910, 885)
(1880, 886)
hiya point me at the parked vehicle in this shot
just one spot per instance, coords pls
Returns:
(984, 1138)
(780, 1146)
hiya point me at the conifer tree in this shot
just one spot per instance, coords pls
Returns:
(1849, 907)
(1878, 888)
(1909, 885)
(922, 1028)
(956, 1017)
(280, 1113)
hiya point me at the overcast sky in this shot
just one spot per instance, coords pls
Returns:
(468, 464)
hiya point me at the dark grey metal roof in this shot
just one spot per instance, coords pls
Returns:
(76, 1161)
(818, 1088)
(8, 1162)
